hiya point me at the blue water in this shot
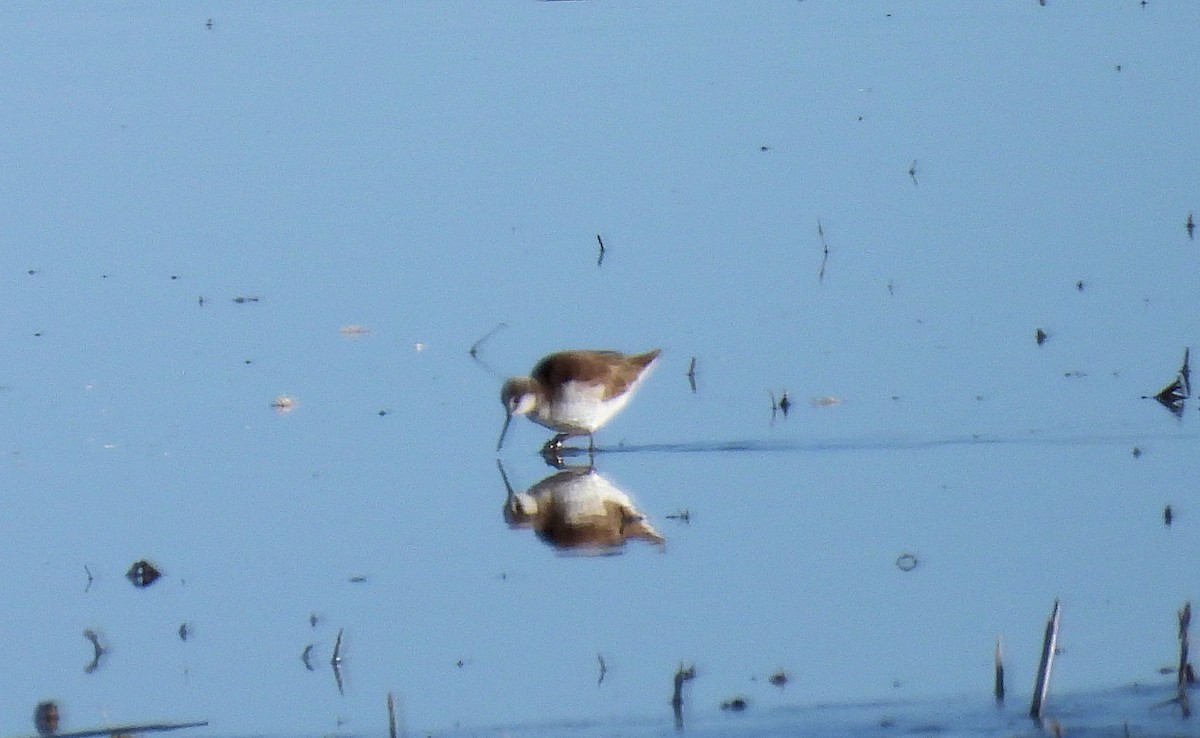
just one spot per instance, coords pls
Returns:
(195, 215)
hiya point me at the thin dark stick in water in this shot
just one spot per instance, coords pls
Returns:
(94, 637)
(681, 675)
(1185, 669)
(1042, 687)
(999, 686)
(691, 374)
(391, 703)
(824, 251)
(129, 729)
(600, 259)
(336, 662)
(475, 346)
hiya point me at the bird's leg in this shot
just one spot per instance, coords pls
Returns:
(552, 451)
(556, 443)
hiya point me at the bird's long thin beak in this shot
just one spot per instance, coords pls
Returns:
(507, 420)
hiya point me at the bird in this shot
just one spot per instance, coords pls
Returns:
(575, 393)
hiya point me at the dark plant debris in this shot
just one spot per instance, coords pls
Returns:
(142, 574)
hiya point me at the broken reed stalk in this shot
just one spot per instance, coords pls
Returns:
(682, 675)
(999, 685)
(1049, 643)
(1185, 669)
(391, 703)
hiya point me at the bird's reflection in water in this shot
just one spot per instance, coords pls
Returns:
(578, 511)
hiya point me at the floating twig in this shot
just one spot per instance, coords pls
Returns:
(824, 251)
(1190, 225)
(1042, 687)
(306, 657)
(691, 374)
(184, 631)
(94, 637)
(88, 571)
(1168, 516)
(682, 674)
(1040, 336)
(912, 172)
(603, 669)
(336, 662)
(998, 686)
(600, 258)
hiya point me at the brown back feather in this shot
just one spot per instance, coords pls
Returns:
(593, 366)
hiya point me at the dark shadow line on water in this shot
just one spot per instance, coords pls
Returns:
(887, 444)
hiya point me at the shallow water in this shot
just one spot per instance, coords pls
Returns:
(203, 218)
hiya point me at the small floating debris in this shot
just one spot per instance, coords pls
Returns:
(826, 401)
(682, 516)
(603, 669)
(779, 679)
(691, 374)
(734, 704)
(94, 638)
(306, 657)
(184, 631)
(912, 172)
(45, 717)
(243, 299)
(782, 405)
(357, 579)
(1174, 395)
(283, 404)
(1040, 336)
(354, 331)
(1168, 516)
(91, 579)
(600, 258)
(1190, 226)
(142, 574)
(1137, 452)
(906, 562)
(1080, 285)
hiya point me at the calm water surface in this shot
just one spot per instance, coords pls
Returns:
(198, 214)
